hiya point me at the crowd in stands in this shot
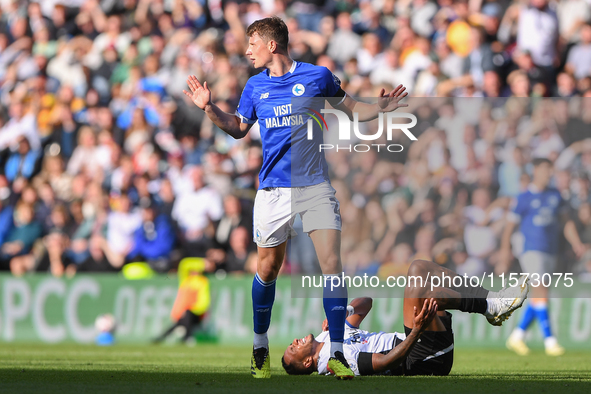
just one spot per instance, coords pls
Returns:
(105, 161)
(446, 197)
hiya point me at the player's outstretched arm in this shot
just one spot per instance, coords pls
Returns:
(384, 362)
(201, 97)
(361, 307)
(386, 103)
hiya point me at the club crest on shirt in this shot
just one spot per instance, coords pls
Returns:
(298, 89)
(356, 337)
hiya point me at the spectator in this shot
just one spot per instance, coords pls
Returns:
(53, 172)
(22, 163)
(422, 13)
(389, 72)
(23, 235)
(20, 124)
(510, 174)
(519, 84)
(232, 218)
(572, 14)
(480, 237)
(85, 155)
(122, 223)
(154, 239)
(309, 13)
(194, 211)
(240, 252)
(370, 56)
(491, 85)
(344, 33)
(111, 37)
(537, 32)
(579, 57)
(97, 260)
(565, 85)
(54, 257)
(480, 58)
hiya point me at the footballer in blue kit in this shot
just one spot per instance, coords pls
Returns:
(268, 100)
(538, 211)
(284, 190)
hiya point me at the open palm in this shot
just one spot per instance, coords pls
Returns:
(423, 318)
(391, 101)
(199, 94)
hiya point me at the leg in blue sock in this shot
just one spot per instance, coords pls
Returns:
(263, 296)
(550, 342)
(335, 307)
(541, 311)
(528, 317)
(328, 248)
(263, 291)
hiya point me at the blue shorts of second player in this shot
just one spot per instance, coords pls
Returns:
(535, 262)
(275, 210)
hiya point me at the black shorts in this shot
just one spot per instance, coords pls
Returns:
(433, 354)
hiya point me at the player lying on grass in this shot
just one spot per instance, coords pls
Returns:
(425, 348)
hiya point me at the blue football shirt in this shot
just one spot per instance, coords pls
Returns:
(539, 213)
(268, 100)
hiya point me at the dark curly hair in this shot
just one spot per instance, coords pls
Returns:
(296, 368)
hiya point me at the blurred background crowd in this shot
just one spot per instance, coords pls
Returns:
(105, 162)
(446, 197)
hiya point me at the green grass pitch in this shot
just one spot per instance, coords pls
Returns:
(33, 368)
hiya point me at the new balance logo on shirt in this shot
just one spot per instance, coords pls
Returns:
(264, 96)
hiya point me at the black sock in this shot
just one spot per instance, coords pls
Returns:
(468, 291)
(473, 305)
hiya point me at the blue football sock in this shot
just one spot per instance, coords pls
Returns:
(335, 307)
(528, 317)
(263, 295)
(541, 311)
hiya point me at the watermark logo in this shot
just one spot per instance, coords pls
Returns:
(317, 117)
(390, 119)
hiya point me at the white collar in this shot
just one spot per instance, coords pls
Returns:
(291, 69)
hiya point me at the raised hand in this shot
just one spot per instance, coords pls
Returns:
(424, 318)
(391, 101)
(200, 94)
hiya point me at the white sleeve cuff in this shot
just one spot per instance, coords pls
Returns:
(342, 99)
(244, 119)
(350, 310)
